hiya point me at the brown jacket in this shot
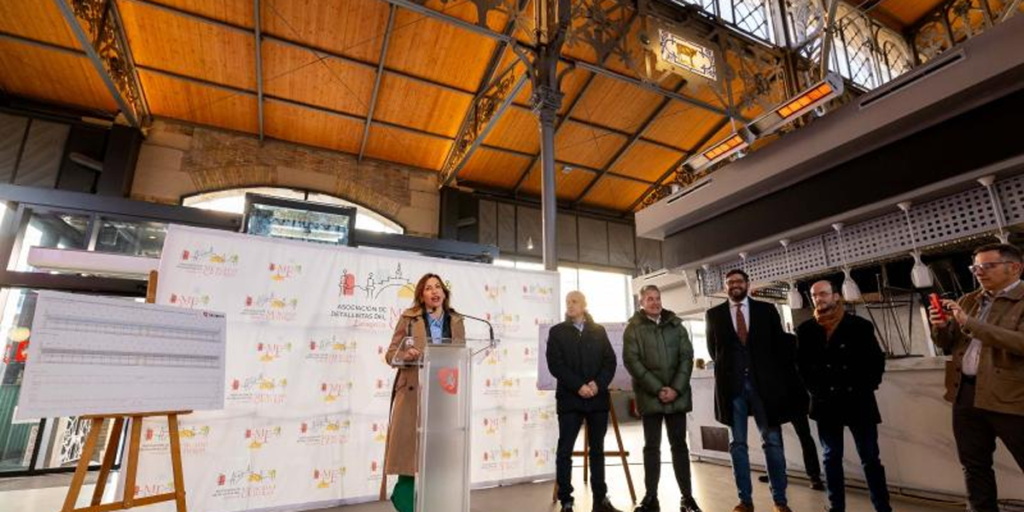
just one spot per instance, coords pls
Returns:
(1000, 386)
(400, 458)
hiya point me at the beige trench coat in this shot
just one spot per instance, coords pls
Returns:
(400, 458)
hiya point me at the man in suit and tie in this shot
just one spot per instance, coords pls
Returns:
(754, 363)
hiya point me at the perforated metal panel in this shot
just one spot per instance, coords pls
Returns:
(955, 217)
(1011, 195)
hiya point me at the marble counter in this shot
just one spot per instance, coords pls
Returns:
(915, 437)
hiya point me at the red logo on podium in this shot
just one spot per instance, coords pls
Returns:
(449, 380)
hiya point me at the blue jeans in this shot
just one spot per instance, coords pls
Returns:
(743, 404)
(865, 437)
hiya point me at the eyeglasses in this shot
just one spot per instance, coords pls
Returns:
(987, 266)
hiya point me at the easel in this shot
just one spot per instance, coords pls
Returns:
(132, 463)
(622, 454)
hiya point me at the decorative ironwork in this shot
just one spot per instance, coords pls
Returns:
(956, 21)
(604, 25)
(103, 24)
(761, 72)
(72, 439)
(482, 111)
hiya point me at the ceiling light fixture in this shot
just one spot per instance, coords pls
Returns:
(731, 145)
(816, 95)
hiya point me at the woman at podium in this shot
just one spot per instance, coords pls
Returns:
(429, 320)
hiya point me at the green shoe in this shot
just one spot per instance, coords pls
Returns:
(403, 497)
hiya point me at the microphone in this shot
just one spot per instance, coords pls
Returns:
(490, 327)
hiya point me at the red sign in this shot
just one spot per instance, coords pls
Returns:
(21, 352)
(449, 380)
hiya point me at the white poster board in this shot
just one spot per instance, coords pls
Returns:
(98, 355)
(622, 380)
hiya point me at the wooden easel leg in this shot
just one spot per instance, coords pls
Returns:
(132, 462)
(179, 477)
(83, 465)
(108, 461)
(622, 453)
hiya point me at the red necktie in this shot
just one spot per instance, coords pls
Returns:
(741, 324)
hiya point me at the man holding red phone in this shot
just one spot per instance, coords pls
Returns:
(985, 379)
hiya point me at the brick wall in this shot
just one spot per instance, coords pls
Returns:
(178, 160)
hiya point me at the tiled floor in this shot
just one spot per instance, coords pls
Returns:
(713, 487)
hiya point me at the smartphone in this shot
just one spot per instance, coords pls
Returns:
(937, 306)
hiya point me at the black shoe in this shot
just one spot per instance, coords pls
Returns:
(689, 505)
(649, 504)
(566, 507)
(817, 484)
(605, 506)
(762, 478)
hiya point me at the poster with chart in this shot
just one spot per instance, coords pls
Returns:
(307, 389)
(98, 355)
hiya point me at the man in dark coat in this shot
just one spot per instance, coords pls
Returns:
(842, 365)
(753, 377)
(659, 356)
(582, 360)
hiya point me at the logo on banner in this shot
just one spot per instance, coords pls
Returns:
(258, 389)
(208, 262)
(543, 458)
(529, 354)
(448, 378)
(147, 490)
(270, 307)
(334, 390)
(495, 291)
(194, 439)
(376, 471)
(540, 418)
(502, 386)
(501, 458)
(382, 386)
(270, 352)
(352, 286)
(246, 483)
(504, 323)
(493, 424)
(324, 431)
(538, 293)
(379, 431)
(331, 349)
(189, 301)
(326, 478)
(283, 271)
(258, 437)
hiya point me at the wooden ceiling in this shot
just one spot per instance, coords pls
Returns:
(196, 61)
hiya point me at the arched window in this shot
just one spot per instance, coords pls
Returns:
(233, 201)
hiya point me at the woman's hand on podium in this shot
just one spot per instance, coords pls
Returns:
(413, 354)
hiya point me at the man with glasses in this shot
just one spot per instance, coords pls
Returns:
(842, 365)
(985, 380)
(754, 360)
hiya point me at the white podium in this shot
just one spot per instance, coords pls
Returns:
(444, 422)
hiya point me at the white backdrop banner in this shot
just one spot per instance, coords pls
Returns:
(307, 389)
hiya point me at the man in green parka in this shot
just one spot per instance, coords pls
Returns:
(659, 356)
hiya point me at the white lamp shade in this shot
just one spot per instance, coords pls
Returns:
(920, 275)
(851, 292)
(796, 301)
